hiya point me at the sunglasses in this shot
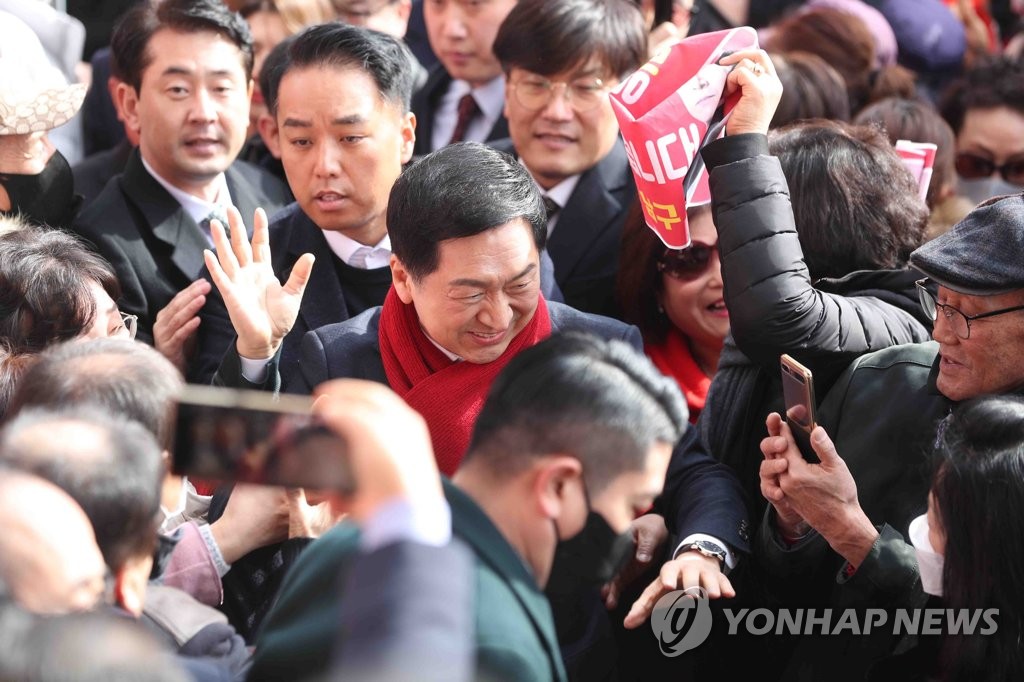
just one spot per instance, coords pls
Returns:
(971, 167)
(687, 264)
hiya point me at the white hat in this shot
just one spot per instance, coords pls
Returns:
(35, 97)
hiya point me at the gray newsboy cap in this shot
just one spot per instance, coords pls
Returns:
(983, 255)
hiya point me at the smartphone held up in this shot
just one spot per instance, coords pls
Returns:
(254, 437)
(798, 393)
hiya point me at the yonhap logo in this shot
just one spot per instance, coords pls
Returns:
(681, 620)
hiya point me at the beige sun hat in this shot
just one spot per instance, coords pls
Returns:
(34, 97)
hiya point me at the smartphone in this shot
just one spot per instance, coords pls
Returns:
(798, 393)
(254, 437)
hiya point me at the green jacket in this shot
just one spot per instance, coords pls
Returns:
(515, 631)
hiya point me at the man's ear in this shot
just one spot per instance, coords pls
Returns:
(555, 477)
(408, 133)
(266, 125)
(405, 10)
(130, 584)
(126, 101)
(402, 280)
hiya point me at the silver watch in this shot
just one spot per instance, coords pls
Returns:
(707, 548)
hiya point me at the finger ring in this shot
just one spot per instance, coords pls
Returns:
(757, 69)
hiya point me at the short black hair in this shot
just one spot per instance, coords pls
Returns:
(598, 400)
(45, 280)
(123, 377)
(551, 36)
(459, 191)
(130, 42)
(993, 82)
(109, 465)
(341, 46)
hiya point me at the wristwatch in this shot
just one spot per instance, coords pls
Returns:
(706, 548)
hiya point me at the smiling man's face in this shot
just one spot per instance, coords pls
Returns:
(557, 141)
(483, 293)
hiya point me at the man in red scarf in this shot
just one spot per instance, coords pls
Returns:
(467, 225)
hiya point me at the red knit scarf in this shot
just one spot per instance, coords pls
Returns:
(674, 360)
(448, 394)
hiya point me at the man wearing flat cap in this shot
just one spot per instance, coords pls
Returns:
(845, 542)
(836, 534)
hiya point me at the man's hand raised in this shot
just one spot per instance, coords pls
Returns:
(262, 310)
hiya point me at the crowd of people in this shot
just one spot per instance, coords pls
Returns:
(422, 215)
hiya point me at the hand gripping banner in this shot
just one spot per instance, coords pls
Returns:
(667, 110)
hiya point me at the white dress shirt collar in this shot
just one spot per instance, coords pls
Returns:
(197, 209)
(345, 248)
(490, 98)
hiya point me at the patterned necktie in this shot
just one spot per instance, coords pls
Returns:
(220, 215)
(550, 206)
(359, 256)
(468, 110)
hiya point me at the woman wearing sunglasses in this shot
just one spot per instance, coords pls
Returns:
(985, 108)
(675, 298)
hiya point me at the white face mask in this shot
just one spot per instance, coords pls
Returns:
(985, 188)
(929, 562)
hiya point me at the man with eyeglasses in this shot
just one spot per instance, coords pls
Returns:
(849, 544)
(561, 58)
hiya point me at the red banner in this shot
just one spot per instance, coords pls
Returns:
(667, 110)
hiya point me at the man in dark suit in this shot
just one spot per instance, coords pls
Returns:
(575, 435)
(466, 296)
(187, 77)
(561, 58)
(463, 303)
(464, 94)
(342, 147)
(340, 97)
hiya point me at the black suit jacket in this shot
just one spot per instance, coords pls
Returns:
(351, 350)
(425, 102)
(155, 247)
(94, 172)
(587, 238)
(292, 234)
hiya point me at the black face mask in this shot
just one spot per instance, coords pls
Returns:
(47, 198)
(590, 558)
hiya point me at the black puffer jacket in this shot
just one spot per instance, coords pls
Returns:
(774, 307)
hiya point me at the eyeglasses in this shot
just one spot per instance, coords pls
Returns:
(972, 167)
(534, 92)
(130, 323)
(958, 321)
(687, 264)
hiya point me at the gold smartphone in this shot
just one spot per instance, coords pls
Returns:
(798, 393)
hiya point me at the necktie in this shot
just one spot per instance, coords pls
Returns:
(550, 206)
(468, 110)
(220, 215)
(359, 256)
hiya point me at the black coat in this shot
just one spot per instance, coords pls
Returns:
(424, 104)
(155, 247)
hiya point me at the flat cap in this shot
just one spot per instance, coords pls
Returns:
(983, 255)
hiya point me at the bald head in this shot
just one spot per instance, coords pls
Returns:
(48, 554)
